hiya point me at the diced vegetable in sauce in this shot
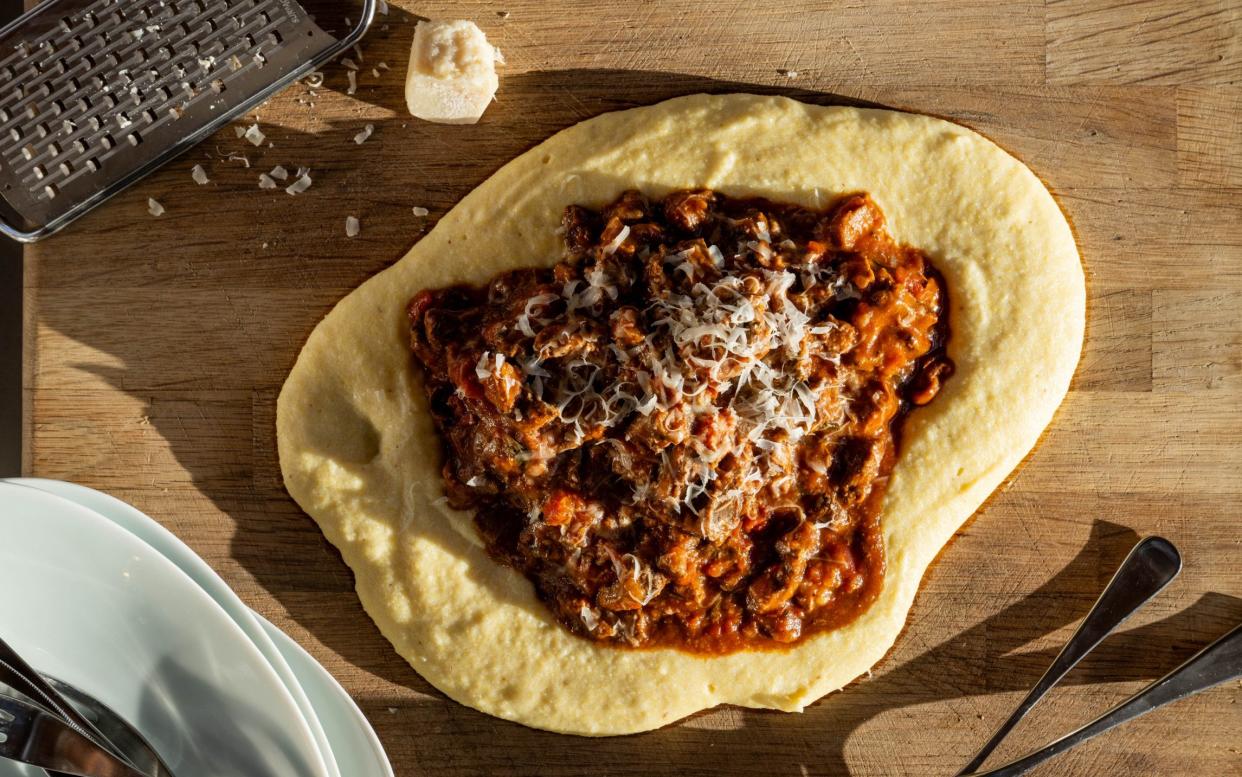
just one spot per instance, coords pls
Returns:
(681, 433)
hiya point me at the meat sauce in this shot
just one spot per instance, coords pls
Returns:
(681, 433)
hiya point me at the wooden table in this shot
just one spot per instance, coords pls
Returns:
(157, 347)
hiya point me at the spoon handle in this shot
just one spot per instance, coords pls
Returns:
(1217, 663)
(1150, 566)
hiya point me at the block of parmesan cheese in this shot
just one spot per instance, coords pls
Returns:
(452, 75)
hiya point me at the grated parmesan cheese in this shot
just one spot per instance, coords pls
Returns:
(254, 135)
(589, 618)
(302, 183)
(615, 243)
(352, 226)
(199, 175)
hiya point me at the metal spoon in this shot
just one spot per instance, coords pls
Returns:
(133, 747)
(80, 711)
(32, 735)
(1150, 566)
(1217, 663)
(21, 677)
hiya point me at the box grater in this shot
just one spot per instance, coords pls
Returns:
(95, 94)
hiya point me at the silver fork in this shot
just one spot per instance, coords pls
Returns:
(1150, 566)
(31, 735)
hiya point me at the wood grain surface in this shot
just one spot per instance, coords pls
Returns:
(157, 347)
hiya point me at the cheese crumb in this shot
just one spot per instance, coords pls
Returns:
(352, 226)
(300, 185)
(254, 135)
(365, 133)
(420, 211)
(154, 208)
(199, 175)
(452, 74)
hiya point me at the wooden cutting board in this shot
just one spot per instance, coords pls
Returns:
(156, 347)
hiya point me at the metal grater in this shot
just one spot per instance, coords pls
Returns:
(95, 94)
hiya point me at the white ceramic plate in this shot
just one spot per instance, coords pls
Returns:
(92, 604)
(357, 749)
(353, 743)
(149, 531)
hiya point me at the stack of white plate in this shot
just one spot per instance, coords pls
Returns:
(99, 595)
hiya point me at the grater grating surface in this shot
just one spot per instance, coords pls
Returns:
(96, 93)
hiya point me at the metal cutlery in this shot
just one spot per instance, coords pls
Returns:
(31, 735)
(1218, 663)
(133, 747)
(80, 713)
(21, 677)
(1150, 566)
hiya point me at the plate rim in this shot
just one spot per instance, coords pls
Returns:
(67, 509)
(206, 578)
(179, 553)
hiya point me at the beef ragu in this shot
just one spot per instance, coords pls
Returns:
(682, 432)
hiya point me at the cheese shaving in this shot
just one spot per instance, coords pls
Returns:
(615, 243)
